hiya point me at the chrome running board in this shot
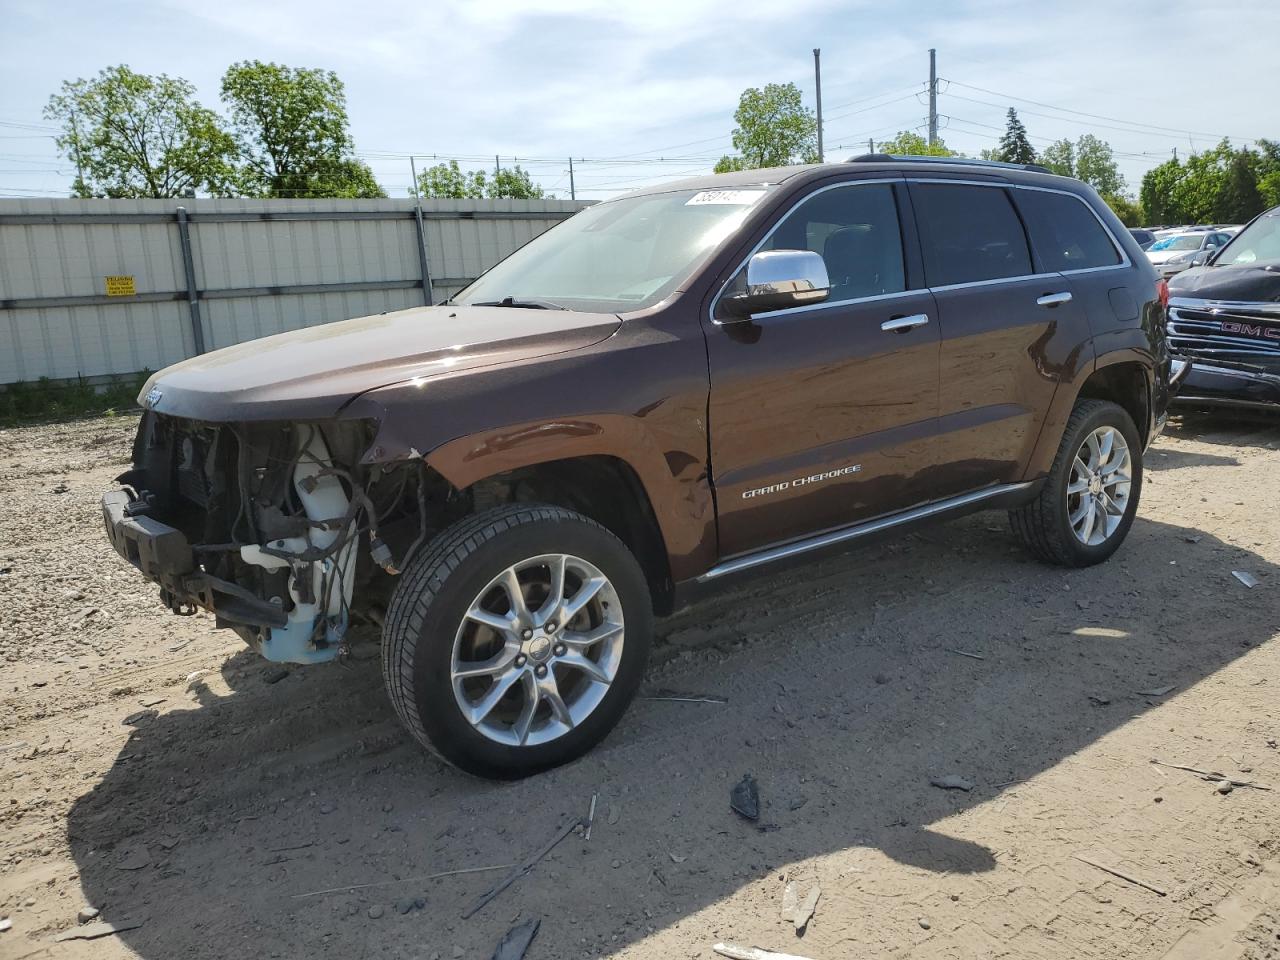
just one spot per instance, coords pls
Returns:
(796, 547)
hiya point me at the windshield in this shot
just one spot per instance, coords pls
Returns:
(1186, 241)
(1260, 241)
(619, 255)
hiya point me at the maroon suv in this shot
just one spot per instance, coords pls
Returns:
(671, 388)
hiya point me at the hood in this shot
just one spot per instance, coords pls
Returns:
(1246, 283)
(1163, 256)
(311, 373)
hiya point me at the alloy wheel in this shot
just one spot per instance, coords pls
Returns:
(1098, 486)
(537, 650)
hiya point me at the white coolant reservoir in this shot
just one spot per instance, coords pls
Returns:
(332, 579)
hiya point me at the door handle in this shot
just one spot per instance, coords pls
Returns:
(903, 324)
(1054, 299)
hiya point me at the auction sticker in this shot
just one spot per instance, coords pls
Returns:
(738, 198)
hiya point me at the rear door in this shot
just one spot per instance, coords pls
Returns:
(822, 415)
(1007, 327)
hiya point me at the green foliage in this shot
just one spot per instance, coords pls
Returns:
(1221, 185)
(45, 400)
(774, 129)
(291, 127)
(450, 181)
(1060, 157)
(141, 136)
(1014, 146)
(1129, 212)
(910, 144)
(1096, 166)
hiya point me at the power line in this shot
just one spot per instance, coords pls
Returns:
(1150, 127)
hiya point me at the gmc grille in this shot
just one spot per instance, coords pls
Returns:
(1236, 332)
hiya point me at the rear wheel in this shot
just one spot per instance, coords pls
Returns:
(1088, 501)
(516, 640)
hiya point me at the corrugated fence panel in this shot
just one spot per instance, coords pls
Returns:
(260, 267)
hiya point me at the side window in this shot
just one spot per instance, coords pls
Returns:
(1066, 234)
(969, 234)
(855, 230)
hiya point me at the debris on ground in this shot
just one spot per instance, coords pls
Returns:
(134, 858)
(376, 911)
(744, 798)
(615, 814)
(924, 923)
(5, 924)
(591, 817)
(798, 910)
(677, 858)
(1123, 876)
(1225, 786)
(951, 782)
(1212, 775)
(87, 913)
(1248, 579)
(386, 883)
(1100, 701)
(1157, 692)
(735, 952)
(516, 942)
(963, 653)
(133, 719)
(274, 674)
(685, 698)
(520, 871)
(92, 931)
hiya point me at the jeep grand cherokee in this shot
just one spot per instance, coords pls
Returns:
(669, 389)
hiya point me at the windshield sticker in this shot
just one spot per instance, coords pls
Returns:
(737, 198)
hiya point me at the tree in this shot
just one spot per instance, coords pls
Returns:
(1239, 199)
(134, 135)
(1130, 213)
(1060, 158)
(450, 181)
(774, 129)
(1157, 193)
(1014, 146)
(910, 144)
(513, 183)
(1096, 166)
(291, 126)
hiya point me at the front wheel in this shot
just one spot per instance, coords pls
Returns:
(1088, 501)
(516, 639)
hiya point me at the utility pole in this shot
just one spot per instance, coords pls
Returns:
(817, 86)
(496, 168)
(933, 96)
(75, 139)
(573, 195)
(871, 145)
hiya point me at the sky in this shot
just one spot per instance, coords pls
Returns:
(641, 92)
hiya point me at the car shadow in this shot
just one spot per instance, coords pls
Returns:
(842, 688)
(1225, 426)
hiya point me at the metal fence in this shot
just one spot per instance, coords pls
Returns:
(97, 288)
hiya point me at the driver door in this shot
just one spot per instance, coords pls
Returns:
(822, 415)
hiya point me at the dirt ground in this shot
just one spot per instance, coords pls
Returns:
(151, 768)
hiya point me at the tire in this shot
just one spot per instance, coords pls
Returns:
(1045, 525)
(431, 635)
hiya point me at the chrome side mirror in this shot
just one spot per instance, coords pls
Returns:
(777, 279)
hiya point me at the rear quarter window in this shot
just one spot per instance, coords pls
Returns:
(1064, 231)
(969, 234)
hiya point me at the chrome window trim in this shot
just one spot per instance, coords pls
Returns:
(811, 307)
(843, 184)
(1124, 263)
(1116, 245)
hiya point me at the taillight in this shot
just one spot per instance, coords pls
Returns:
(1162, 291)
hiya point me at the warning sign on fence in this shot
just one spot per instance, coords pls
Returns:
(121, 287)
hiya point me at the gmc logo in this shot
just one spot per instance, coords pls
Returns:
(1251, 330)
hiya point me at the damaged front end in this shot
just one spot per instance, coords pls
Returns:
(275, 528)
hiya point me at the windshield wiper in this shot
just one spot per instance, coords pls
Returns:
(530, 304)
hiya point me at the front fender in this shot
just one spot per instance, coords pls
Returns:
(639, 397)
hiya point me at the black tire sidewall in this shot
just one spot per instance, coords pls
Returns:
(442, 720)
(1107, 414)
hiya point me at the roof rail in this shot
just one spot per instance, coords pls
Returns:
(961, 161)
